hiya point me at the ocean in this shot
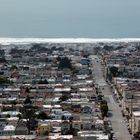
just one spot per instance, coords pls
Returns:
(70, 18)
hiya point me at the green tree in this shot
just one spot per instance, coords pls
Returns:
(13, 67)
(8, 116)
(65, 63)
(4, 80)
(104, 108)
(114, 71)
(3, 60)
(137, 135)
(58, 58)
(27, 90)
(19, 116)
(39, 48)
(16, 51)
(42, 115)
(2, 53)
(97, 49)
(27, 101)
(108, 48)
(43, 82)
(64, 97)
(28, 112)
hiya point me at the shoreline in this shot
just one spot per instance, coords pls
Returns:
(8, 41)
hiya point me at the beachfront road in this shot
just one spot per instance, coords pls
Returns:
(118, 123)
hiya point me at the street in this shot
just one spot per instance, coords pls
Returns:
(118, 123)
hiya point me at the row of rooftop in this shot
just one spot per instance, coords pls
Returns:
(50, 94)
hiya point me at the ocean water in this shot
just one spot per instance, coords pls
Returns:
(70, 18)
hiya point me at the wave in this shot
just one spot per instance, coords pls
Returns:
(8, 41)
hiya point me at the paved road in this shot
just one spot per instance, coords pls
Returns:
(118, 123)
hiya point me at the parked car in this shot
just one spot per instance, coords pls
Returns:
(129, 130)
(120, 105)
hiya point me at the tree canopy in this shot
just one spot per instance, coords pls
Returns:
(114, 71)
(42, 115)
(40, 48)
(65, 63)
(3, 60)
(43, 82)
(16, 51)
(27, 100)
(4, 80)
(13, 67)
(2, 52)
(108, 48)
(104, 108)
(64, 97)
(27, 90)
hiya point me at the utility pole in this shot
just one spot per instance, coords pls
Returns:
(132, 97)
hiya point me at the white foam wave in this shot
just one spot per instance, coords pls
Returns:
(7, 41)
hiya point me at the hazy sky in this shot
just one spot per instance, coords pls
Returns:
(69, 18)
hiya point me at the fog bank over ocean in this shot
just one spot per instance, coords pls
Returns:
(70, 18)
